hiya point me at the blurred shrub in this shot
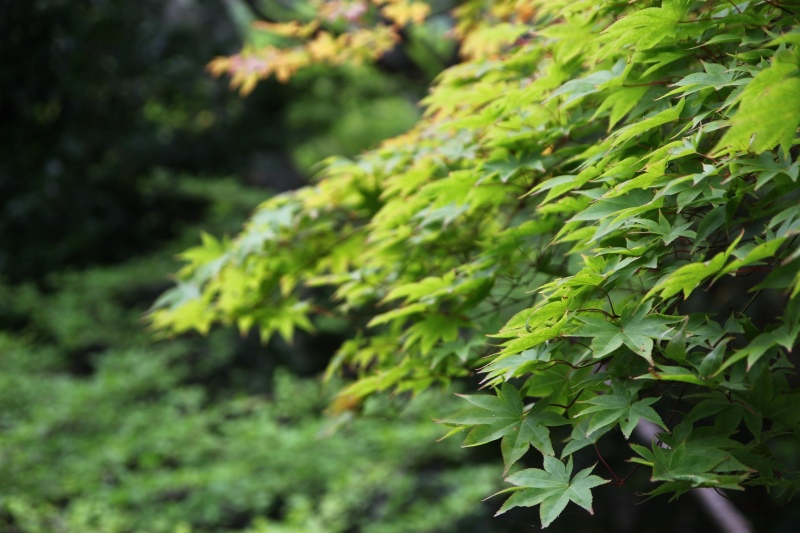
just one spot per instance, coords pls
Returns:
(133, 449)
(103, 432)
(347, 110)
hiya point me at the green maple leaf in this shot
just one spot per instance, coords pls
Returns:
(646, 28)
(664, 229)
(503, 416)
(768, 113)
(635, 329)
(700, 463)
(715, 76)
(551, 489)
(688, 277)
(621, 407)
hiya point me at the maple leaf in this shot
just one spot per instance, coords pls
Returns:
(688, 277)
(768, 113)
(503, 416)
(551, 489)
(702, 461)
(404, 12)
(635, 329)
(621, 407)
(323, 47)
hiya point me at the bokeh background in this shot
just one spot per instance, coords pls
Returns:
(116, 150)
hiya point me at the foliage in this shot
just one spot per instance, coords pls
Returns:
(345, 111)
(335, 32)
(552, 488)
(101, 97)
(608, 192)
(103, 432)
(155, 456)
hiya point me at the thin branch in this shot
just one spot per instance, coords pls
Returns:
(775, 4)
(735, 7)
(617, 480)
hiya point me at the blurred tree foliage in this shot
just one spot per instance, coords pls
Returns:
(102, 432)
(87, 86)
(98, 95)
(105, 106)
(135, 448)
(106, 111)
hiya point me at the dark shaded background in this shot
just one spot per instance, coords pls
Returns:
(96, 95)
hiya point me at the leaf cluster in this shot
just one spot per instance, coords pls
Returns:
(600, 217)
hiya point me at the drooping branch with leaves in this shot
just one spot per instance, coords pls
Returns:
(598, 214)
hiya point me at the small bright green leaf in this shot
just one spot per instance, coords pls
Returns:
(769, 113)
(688, 277)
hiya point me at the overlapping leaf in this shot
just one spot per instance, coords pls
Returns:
(504, 416)
(635, 329)
(620, 407)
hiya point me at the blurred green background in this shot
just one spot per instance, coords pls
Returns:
(116, 150)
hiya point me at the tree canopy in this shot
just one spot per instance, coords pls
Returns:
(597, 216)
